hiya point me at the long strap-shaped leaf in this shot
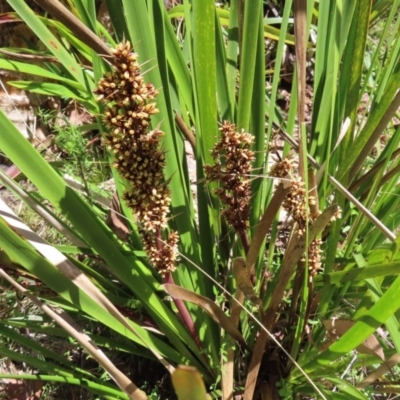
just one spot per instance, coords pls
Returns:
(106, 392)
(69, 326)
(361, 21)
(67, 268)
(300, 22)
(49, 40)
(251, 20)
(40, 210)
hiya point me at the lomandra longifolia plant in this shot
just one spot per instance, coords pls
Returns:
(209, 74)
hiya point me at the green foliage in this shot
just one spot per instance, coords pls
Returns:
(209, 66)
(81, 162)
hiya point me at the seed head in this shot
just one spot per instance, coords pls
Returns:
(138, 160)
(232, 167)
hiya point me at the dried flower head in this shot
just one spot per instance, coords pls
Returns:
(282, 169)
(137, 155)
(232, 167)
(297, 208)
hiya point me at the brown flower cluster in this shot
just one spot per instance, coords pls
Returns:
(314, 257)
(232, 167)
(282, 169)
(138, 159)
(296, 207)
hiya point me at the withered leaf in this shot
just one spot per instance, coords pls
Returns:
(209, 306)
(242, 278)
(115, 219)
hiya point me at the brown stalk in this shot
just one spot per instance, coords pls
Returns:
(182, 310)
(57, 10)
(24, 57)
(244, 239)
(189, 136)
(313, 192)
(300, 22)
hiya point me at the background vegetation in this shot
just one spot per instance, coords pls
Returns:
(302, 305)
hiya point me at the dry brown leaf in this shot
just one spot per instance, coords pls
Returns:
(267, 391)
(115, 219)
(78, 116)
(243, 281)
(264, 225)
(338, 327)
(212, 309)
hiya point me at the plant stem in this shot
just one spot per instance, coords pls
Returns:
(245, 240)
(184, 313)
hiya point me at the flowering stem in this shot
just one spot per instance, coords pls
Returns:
(184, 313)
(242, 232)
(159, 241)
(245, 240)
